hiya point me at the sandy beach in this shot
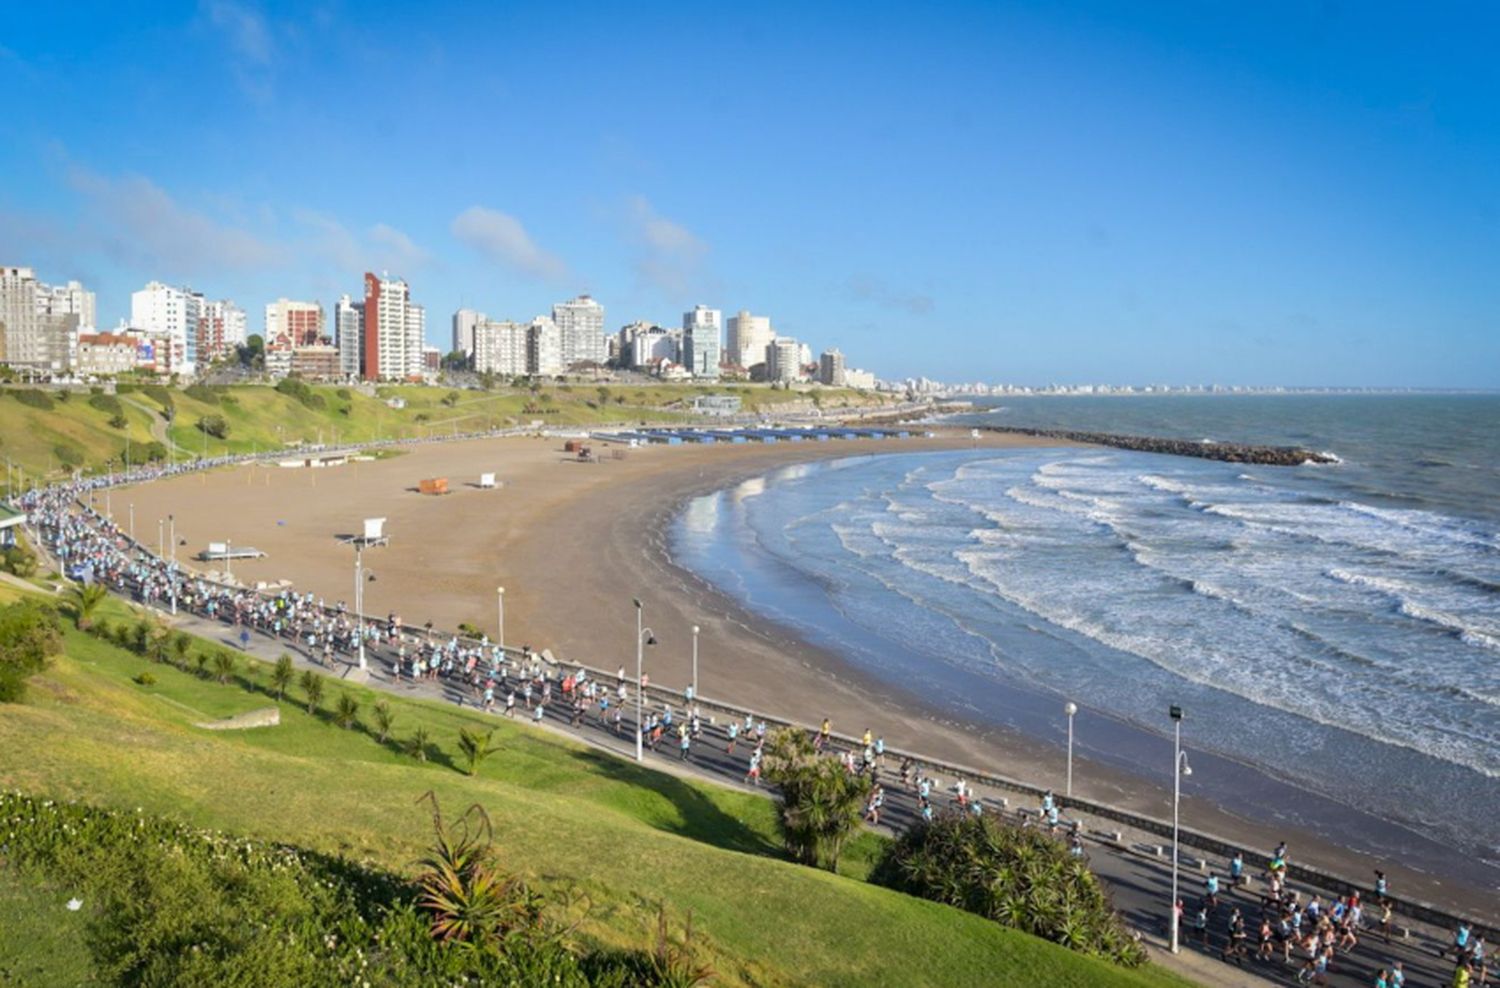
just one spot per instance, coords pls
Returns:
(573, 542)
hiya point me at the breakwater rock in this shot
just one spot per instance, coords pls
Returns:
(1277, 456)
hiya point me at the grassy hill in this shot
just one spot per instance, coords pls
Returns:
(48, 433)
(622, 838)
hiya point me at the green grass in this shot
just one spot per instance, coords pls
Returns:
(565, 815)
(261, 418)
(39, 935)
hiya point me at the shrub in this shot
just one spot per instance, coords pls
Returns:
(118, 421)
(106, 403)
(301, 391)
(145, 678)
(214, 425)
(224, 666)
(30, 634)
(312, 688)
(1018, 877)
(86, 598)
(344, 394)
(416, 746)
(19, 560)
(475, 746)
(34, 398)
(282, 675)
(162, 396)
(820, 800)
(203, 393)
(346, 711)
(385, 719)
(152, 452)
(69, 456)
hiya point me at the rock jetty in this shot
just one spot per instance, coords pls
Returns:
(1276, 456)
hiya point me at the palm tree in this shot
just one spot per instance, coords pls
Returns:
(223, 666)
(312, 686)
(282, 675)
(346, 711)
(475, 746)
(384, 720)
(201, 662)
(181, 642)
(86, 600)
(416, 745)
(820, 801)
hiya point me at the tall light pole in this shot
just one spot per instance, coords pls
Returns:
(172, 536)
(695, 662)
(1070, 708)
(643, 637)
(500, 601)
(160, 545)
(374, 535)
(1180, 768)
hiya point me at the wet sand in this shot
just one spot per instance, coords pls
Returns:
(573, 542)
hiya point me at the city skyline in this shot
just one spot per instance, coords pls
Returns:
(1287, 196)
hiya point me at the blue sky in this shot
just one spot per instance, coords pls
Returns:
(1197, 192)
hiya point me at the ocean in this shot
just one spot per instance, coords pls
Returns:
(1333, 632)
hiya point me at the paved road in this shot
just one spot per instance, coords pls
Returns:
(1139, 884)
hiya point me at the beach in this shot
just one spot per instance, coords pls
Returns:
(574, 542)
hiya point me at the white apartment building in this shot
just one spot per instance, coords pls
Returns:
(500, 347)
(465, 323)
(393, 331)
(650, 345)
(222, 328)
(544, 355)
(175, 312)
(784, 360)
(71, 299)
(749, 336)
(32, 333)
(862, 379)
(702, 335)
(348, 320)
(581, 325)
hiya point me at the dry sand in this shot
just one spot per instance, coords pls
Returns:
(572, 543)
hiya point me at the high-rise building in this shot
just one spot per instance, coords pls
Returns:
(348, 321)
(544, 347)
(174, 312)
(581, 325)
(391, 333)
(34, 332)
(702, 349)
(784, 360)
(300, 322)
(748, 338)
(221, 329)
(500, 347)
(71, 299)
(650, 345)
(831, 368)
(416, 343)
(465, 322)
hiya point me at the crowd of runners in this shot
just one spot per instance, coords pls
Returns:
(1300, 937)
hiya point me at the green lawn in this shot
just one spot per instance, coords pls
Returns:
(565, 815)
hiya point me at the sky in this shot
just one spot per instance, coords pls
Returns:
(1194, 192)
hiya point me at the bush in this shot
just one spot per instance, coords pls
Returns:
(30, 634)
(203, 393)
(69, 456)
(152, 452)
(345, 394)
(18, 560)
(34, 398)
(1017, 877)
(214, 425)
(106, 403)
(162, 395)
(301, 391)
(118, 422)
(145, 678)
(820, 800)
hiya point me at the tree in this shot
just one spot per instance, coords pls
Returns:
(346, 711)
(214, 425)
(475, 746)
(282, 675)
(385, 719)
(416, 746)
(252, 353)
(181, 642)
(820, 800)
(86, 600)
(312, 688)
(223, 666)
(19, 560)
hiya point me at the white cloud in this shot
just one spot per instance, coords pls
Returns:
(867, 289)
(138, 221)
(251, 45)
(668, 255)
(502, 239)
(380, 248)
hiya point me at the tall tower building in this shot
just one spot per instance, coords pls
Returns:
(174, 313)
(391, 333)
(348, 323)
(748, 338)
(500, 347)
(544, 347)
(221, 328)
(701, 341)
(300, 322)
(784, 360)
(465, 322)
(580, 323)
(831, 368)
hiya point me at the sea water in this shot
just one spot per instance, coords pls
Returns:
(1332, 631)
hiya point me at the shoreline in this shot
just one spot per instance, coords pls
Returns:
(574, 542)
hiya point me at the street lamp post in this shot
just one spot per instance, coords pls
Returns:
(695, 662)
(1070, 708)
(500, 601)
(359, 598)
(132, 521)
(1180, 768)
(643, 637)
